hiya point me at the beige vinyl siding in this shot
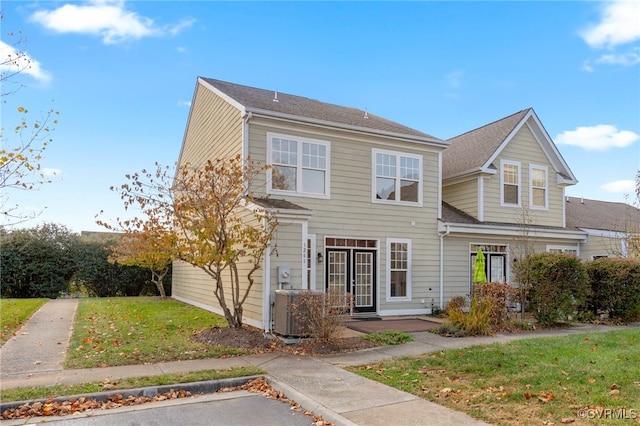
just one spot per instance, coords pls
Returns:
(463, 196)
(600, 246)
(523, 148)
(214, 129)
(457, 261)
(287, 251)
(195, 286)
(350, 211)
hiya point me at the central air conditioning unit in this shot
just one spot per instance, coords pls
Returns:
(289, 318)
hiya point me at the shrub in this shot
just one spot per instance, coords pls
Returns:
(499, 294)
(559, 287)
(615, 286)
(457, 303)
(476, 321)
(321, 314)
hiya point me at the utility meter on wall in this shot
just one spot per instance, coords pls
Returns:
(284, 274)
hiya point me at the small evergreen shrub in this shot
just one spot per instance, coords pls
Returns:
(559, 287)
(615, 287)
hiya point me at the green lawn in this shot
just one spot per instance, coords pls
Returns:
(136, 330)
(14, 313)
(43, 392)
(529, 382)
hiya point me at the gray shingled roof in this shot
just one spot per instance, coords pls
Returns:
(277, 204)
(603, 215)
(451, 214)
(471, 150)
(260, 99)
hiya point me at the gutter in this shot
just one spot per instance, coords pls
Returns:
(442, 265)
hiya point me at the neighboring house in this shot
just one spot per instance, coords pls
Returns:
(503, 191)
(391, 214)
(613, 229)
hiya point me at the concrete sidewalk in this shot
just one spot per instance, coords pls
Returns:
(319, 384)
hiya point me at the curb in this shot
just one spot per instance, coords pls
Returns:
(209, 386)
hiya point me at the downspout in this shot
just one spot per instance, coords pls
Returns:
(442, 266)
(245, 134)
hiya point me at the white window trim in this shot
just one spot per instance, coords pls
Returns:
(546, 188)
(388, 270)
(398, 154)
(502, 183)
(575, 248)
(299, 168)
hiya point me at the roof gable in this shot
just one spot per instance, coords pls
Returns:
(475, 151)
(251, 99)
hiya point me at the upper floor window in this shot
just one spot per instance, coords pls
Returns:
(299, 166)
(538, 186)
(510, 182)
(397, 177)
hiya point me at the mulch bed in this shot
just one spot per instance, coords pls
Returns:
(410, 325)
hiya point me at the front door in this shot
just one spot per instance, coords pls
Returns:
(353, 271)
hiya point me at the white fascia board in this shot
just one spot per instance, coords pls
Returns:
(551, 150)
(224, 96)
(514, 231)
(604, 233)
(469, 175)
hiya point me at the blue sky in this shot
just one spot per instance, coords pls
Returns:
(122, 75)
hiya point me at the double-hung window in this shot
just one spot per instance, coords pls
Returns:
(510, 182)
(397, 177)
(538, 186)
(398, 269)
(299, 166)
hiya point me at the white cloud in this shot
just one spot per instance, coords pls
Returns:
(620, 186)
(106, 18)
(185, 103)
(586, 66)
(16, 61)
(599, 137)
(625, 59)
(618, 25)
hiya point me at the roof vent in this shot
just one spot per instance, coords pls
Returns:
(366, 114)
(582, 200)
(275, 96)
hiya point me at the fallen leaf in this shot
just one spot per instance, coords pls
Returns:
(567, 420)
(592, 380)
(614, 392)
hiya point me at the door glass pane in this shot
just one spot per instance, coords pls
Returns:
(497, 269)
(337, 275)
(363, 279)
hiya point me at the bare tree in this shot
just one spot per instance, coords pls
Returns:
(23, 144)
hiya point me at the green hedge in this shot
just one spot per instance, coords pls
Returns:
(615, 287)
(559, 287)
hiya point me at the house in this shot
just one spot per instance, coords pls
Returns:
(369, 206)
(503, 192)
(613, 229)
(357, 198)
